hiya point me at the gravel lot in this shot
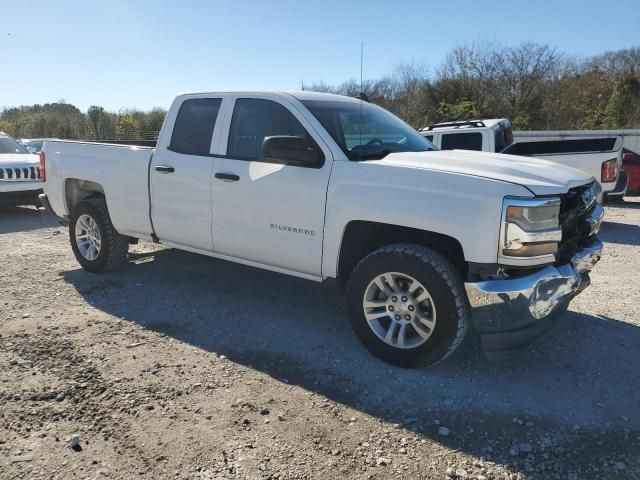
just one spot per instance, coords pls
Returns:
(180, 366)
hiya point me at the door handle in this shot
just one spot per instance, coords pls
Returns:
(227, 177)
(164, 169)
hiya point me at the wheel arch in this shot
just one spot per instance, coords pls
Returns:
(362, 237)
(76, 190)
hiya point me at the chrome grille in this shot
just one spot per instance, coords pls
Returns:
(22, 174)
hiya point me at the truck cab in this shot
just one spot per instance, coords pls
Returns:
(489, 135)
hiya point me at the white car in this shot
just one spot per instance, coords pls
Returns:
(597, 157)
(20, 178)
(330, 188)
(33, 145)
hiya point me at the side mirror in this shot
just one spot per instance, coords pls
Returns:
(630, 157)
(292, 150)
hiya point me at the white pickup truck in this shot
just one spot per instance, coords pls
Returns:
(597, 157)
(327, 188)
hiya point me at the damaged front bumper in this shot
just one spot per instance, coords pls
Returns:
(509, 314)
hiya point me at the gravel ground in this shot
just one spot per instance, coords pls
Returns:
(180, 366)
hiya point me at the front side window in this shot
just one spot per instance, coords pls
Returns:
(253, 120)
(194, 126)
(365, 131)
(462, 141)
(9, 145)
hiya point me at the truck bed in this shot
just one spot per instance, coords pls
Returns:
(585, 154)
(552, 147)
(132, 143)
(122, 171)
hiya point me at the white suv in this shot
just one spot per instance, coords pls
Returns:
(20, 178)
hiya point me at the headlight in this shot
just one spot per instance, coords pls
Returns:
(530, 231)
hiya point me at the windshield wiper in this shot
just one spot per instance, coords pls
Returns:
(379, 155)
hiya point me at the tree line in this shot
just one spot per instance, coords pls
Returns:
(535, 85)
(62, 120)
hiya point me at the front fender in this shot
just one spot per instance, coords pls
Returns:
(464, 207)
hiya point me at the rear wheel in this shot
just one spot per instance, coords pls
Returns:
(94, 241)
(407, 305)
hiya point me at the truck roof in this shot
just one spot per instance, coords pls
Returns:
(299, 94)
(466, 123)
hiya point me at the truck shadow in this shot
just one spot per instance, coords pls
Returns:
(629, 202)
(620, 233)
(23, 219)
(582, 376)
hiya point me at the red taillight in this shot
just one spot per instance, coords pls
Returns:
(43, 175)
(609, 171)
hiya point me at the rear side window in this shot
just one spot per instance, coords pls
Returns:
(504, 137)
(462, 141)
(194, 126)
(429, 137)
(253, 120)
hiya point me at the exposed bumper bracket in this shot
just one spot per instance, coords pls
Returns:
(509, 314)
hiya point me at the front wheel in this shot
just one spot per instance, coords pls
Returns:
(407, 305)
(94, 241)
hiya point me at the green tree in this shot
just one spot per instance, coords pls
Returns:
(102, 124)
(7, 127)
(151, 123)
(463, 109)
(127, 128)
(623, 110)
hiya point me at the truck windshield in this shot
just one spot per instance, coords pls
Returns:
(365, 131)
(9, 145)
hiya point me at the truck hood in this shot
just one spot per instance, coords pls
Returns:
(18, 160)
(541, 177)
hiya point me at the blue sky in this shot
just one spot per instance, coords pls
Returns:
(128, 53)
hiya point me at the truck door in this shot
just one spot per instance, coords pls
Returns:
(266, 211)
(180, 176)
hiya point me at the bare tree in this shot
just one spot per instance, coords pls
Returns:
(615, 65)
(470, 73)
(523, 72)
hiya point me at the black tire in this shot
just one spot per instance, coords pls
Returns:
(114, 247)
(443, 283)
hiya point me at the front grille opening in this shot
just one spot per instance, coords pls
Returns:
(22, 173)
(575, 207)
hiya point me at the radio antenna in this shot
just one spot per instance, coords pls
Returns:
(362, 96)
(361, 62)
